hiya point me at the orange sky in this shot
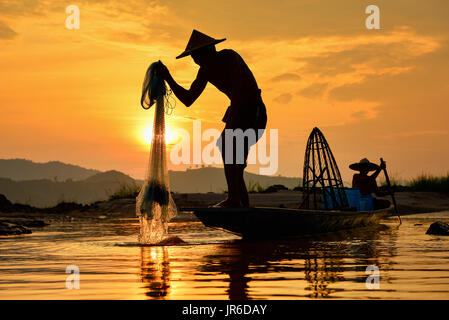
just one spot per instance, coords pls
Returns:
(73, 95)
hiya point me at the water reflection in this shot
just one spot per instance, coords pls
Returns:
(155, 271)
(212, 265)
(320, 270)
(321, 263)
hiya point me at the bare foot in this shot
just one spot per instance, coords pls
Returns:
(227, 204)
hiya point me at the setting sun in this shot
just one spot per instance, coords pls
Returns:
(171, 136)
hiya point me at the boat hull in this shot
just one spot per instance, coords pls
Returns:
(280, 222)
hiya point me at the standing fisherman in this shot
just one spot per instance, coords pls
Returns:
(229, 73)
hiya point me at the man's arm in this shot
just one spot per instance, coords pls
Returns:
(187, 97)
(376, 173)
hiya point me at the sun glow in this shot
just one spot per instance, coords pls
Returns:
(171, 136)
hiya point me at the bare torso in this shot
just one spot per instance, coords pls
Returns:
(366, 184)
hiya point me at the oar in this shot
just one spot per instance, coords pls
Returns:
(387, 179)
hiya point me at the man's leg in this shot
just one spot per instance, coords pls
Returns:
(234, 187)
(232, 179)
(244, 198)
(231, 174)
(243, 192)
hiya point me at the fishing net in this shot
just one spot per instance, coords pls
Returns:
(155, 206)
(322, 184)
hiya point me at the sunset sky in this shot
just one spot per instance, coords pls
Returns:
(73, 95)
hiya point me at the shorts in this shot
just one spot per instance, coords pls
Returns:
(238, 143)
(235, 143)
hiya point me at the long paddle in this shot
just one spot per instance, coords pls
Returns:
(387, 179)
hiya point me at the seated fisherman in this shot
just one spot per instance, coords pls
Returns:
(367, 183)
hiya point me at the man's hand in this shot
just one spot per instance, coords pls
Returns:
(187, 97)
(162, 71)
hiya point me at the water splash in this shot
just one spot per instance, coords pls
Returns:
(154, 228)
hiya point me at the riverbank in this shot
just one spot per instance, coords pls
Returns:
(408, 203)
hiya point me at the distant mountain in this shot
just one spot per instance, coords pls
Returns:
(47, 184)
(47, 193)
(110, 176)
(21, 169)
(210, 179)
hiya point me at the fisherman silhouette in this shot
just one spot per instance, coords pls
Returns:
(229, 73)
(367, 183)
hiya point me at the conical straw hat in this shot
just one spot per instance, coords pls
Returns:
(364, 164)
(198, 40)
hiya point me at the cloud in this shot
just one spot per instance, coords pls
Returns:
(417, 133)
(24, 7)
(283, 98)
(125, 36)
(314, 90)
(286, 77)
(328, 63)
(315, 54)
(372, 58)
(6, 32)
(134, 21)
(359, 114)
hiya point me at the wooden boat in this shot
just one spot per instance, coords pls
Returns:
(264, 222)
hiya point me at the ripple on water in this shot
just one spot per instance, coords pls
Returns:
(211, 264)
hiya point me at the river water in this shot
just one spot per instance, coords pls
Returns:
(217, 265)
